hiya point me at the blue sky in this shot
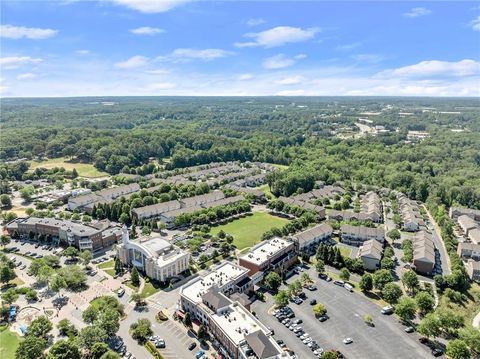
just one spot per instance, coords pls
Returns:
(136, 47)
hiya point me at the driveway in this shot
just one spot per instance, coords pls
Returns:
(346, 310)
(443, 261)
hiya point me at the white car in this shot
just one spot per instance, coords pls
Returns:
(347, 341)
(318, 351)
(306, 341)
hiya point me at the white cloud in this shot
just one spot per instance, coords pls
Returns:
(198, 54)
(12, 62)
(371, 58)
(292, 80)
(255, 22)
(151, 6)
(132, 62)
(146, 30)
(20, 32)
(26, 76)
(82, 52)
(417, 11)
(158, 72)
(475, 24)
(435, 68)
(348, 47)
(245, 77)
(279, 61)
(300, 57)
(279, 36)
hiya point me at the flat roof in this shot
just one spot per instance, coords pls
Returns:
(265, 250)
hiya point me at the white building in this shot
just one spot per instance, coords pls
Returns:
(158, 258)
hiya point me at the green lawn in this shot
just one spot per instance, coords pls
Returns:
(150, 289)
(83, 169)
(345, 251)
(110, 272)
(9, 342)
(265, 189)
(247, 231)
(107, 264)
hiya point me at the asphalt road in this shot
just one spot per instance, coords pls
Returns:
(346, 310)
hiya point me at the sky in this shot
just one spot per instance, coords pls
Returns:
(236, 48)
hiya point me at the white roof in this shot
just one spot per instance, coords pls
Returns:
(266, 249)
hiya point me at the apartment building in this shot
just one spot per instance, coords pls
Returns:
(469, 251)
(105, 195)
(423, 252)
(308, 240)
(357, 235)
(371, 254)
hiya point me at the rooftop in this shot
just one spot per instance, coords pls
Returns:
(265, 250)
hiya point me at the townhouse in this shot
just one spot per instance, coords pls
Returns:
(469, 251)
(106, 195)
(320, 211)
(456, 212)
(371, 205)
(371, 254)
(467, 224)
(423, 252)
(412, 220)
(308, 240)
(473, 270)
(357, 235)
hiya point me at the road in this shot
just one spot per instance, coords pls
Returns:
(346, 310)
(444, 259)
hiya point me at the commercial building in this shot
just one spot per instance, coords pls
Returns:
(469, 251)
(371, 254)
(308, 240)
(275, 254)
(423, 252)
(156, 257)
(80, 235)
(356, 235)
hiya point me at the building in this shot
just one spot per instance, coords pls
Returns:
(105, 195)
(308, 240)
(474, 235)
(155, 210)
(423, 252)
(156, 257)
(82, 236)
(275, 254)
(473, 270)
(351, 216)
(371, 204)
(412, 220)
(371, 254)
(469, 251)
(356, 235)
(467, 223)
(320, 211)
(456, 212)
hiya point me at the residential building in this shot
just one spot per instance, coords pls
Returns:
(80, 235)
(474, 235)
(105, 195)
(352, 216)
(356, 235)
(156, 257)
(456, 212)
(275, 254)
(469, 251)
(467, 223)
(308, 240)
(202, 199)
(412, 220)
(371, 254)
(473, 270)
(423, 252)
(320, 211)
(371, 204)
(155, 210)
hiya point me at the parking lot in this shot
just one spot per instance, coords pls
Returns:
(387, 339)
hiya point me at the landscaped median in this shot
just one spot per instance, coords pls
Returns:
(152, 350)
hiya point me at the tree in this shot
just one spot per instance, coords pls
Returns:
(406, 309)
(31, 348)
(330, 355)
(429, 326)
(110, 355)
(45, 274)
(394, 234)
(27, 192)
(273, 281)
(6, 274)
(368, 319)
(57, 283)
(40, 327)
(64, 349)
(5, 200)
(141, 330)
(137, 298)
(281, 298)
(109, 320)
(471, 337)
(161, 226)
(86, 257)
(410, 280)
(320, 266)
(90, 335)
(381, 277)
(366, 282)
(74, 276)
(10, 296)
(118, 266)
(457, 349)
(66, 328)
(391, 292)
(319, 310)
(425, 302)
(305, 278)
(344, 274)
(450, 320)
(98, 350)
(135, 277)
(188, 319)
(71, 252)
(4, 240)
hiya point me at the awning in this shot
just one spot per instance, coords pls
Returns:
(181, 314)
(196, 325)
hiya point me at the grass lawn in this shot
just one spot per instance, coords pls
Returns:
(107, 264)
(345, 251)
(281, 167)
(469, 308)
(247, 231)
(110, 272)
(83, 169)
(129, 284)
(265, 189)
(150, 289)
(9, 342)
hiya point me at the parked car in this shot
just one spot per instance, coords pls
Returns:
(409, 329)
(387, 310)
(323, 318)
(340, 283)
(347, 341)
(436, 352)
(121, 292)
(192, 346)
(312, 287)
(313, 302)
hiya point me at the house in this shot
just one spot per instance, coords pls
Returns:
(412, 220)
(156, 257)
(275, 254)
(202, 199)
(371, 254)
(456, 212)
(467, 223)
(469, 251)
(371, 204)
(473, 270)
(474, 235)
(351, 216)
(105, 195)
(356, 235)
(320, 211)
(308, 240)
(155, 210)
(423, 252)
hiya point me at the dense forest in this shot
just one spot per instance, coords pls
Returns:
(123, 134)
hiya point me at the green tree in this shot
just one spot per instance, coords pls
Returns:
(458, 349)
(381, 277)
(40, 327)
(27, 192)
(5, 201)
(391, 292)
(471, 336)
(406, 309)
(64, 349)
(188, 319)
(66, 328)
(31, 348)
(4, 240)
(6, 274)
(344, 274)
(366, 282)
(90, 335)
(320, 266)
(86, 257)
(98, 350)
(135, 277)
(410, 280)
(71, 252)
(57, 283)
(273, 281)
(394, 234)
(10, 296)
(450, 320)
(110, 355)
(118, 266)
(74, 276)
(330, 355)
(305, 278)
(141, 330)
(425, 302)
(319, 310)
(429, 326)
(137, 298)
(281, 298)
